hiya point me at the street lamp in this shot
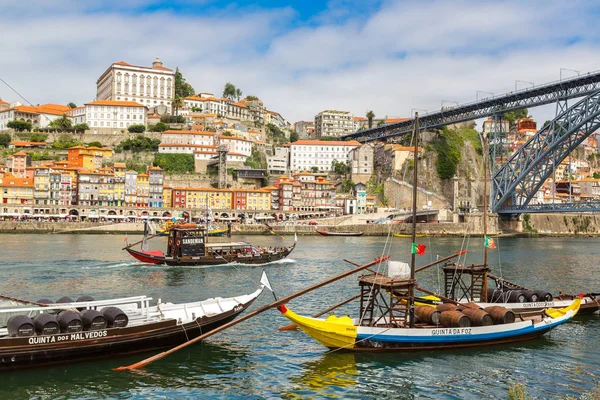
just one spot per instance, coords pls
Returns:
(516, 82)
(480, 91)
(568, 69)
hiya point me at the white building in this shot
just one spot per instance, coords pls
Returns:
(39, 116)
(277, 164)
(207, 103)
(334, 123)
(150, 86)
(109, 116)
(305, 154)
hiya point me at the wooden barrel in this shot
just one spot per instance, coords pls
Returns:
(446, 307)
(115, 317)
(64, 299)
(478, 317)
(500, 315)
(93, 320)
(69, 322)
(496, 296)
(472, 306)
(516, 296)
(454, 319)
(543, 295)
(20, 326)
(46, 324)
(427, 314)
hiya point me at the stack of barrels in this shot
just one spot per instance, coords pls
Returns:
(69, 320)
(463, 315)
(507, 295)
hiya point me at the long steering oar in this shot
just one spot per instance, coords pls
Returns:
(262, 309)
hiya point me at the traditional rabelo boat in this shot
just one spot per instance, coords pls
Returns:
(34, 334)
(407, 235)
(188, 246)
(328, 233)
(390, 318)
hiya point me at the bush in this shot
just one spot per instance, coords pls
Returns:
(448, 145)
(64, 142)
(172, 119)
(4, 139)
(38, 137)
(81, 127)
(136, 128)
(138, 144)
(174, 163)
(19, 125)
(95, 144)
(160, 127)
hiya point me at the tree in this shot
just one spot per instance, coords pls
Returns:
(177, 103)
(314, 169)
(61, 123)
(182, 88)
(380, 123)
(160, 127)
(19, 125)
(72, 105)
(229, 91)
(347, 185)
(81, 127)
(512, 116)
(329, 138)
(139, 144)
(174, 163)
(238, 93)
(136, 128)
(596, 175)
(547, 122)
(95, 144)
(38, 137)
(340, 168)
(294, 136)
(4, 139)
(370, 116)
(227, 133)
(251, 98)
(64, 142)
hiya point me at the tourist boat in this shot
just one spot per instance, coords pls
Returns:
(35, 334)
(389, 319)
(327, 233)
(188, 246)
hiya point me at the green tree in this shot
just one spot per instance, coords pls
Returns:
(72, 105)
(174, 163)
(61, 123)
(4, 139)
(81, 127)
(227, 133)
(370, 116)
(177, 103)
(340, 168)
(65, 141)
(347, 185)
(238, 93)
(95, 144)
(381, 123)
(136, 128)
(19, 125)
(596, 175)
(251, 98)
(294, 136)
(38, 137)
(275, 134)
(314, 169)
(329, 138)
(182, 88)
(546, 123)
(160, 127)
(139, 143)
(229, 91)
(257, 160)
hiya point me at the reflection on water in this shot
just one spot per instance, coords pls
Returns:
(254, 360)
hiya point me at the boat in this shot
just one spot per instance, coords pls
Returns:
(35, 334)
(389, 320)
(327, 233)
(407, 235)
(188, 246)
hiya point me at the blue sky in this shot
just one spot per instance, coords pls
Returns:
(300, 58)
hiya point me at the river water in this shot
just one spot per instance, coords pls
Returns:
(255, 360)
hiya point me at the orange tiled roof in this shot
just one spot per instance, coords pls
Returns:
(172, 132)
(394, 120)
(26, 144)
(3, 102)
(12, 181)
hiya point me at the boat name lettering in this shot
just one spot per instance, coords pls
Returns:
(539, 304)
(451, 331)
(193, 241)
(66, 338)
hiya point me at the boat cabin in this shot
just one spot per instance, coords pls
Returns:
(186, 242)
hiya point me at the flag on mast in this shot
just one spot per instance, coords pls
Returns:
(489, 243)
(265, 281)
(418, 249)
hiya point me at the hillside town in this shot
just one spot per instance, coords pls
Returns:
(148, 144)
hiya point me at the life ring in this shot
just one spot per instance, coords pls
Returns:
(178, 242)
(171, 242)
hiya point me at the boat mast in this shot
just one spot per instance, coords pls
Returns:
(411, 293)
(485, 216)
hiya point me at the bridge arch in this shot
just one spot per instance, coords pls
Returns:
(516, 182)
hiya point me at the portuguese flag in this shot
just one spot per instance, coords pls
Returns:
(489, 243)
(418, 249)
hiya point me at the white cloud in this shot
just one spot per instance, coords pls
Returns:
(403, 55)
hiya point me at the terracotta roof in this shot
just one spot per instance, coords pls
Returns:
(27, 144)
(172, 132)
(20, 153)
(233, 138)
(187, 145)
(326, 143)
(120, 165)
(115, 103)
(16, 182)
(3, 102)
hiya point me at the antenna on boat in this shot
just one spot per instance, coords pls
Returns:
(411, 293)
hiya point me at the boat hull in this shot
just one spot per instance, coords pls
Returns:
(264, 258)
(325, 233)
(38, 351)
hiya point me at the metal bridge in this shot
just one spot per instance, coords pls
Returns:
(517, 178)
(548, 93)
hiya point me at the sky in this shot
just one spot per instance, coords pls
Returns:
(390, 56)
